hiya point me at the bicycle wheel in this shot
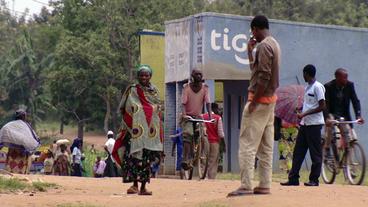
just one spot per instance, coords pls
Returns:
(328, 170)
(355, 166)
(186, 169)
(202, 157)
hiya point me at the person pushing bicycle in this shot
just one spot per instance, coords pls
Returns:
(195, 95)
(339, 93)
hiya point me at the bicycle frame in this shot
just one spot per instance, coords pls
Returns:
(345, 144)
(343, 156)
(196, 132)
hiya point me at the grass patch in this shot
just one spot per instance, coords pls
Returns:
(283, 176)
(212, 204)
(42, 187)
(11, 185)
(304, 177)
(89, 161)
(48, 127)
(15, 184)
(76, 205)
(228, 176)
(276, 177)
(52, 128)
(48, 131)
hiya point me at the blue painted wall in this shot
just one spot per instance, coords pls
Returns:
(235, 96)
(217, 48)
(170, 126)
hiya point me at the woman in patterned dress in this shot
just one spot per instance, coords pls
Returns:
(62, 164)
(17, 160)
(140, 139)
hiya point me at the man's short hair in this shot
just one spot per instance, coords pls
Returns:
(340, 71)
(310, 70)
(195, 70)
(260, 22)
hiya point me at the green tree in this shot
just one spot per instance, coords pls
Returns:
(101, 43)
(80, 55)
(27, 76)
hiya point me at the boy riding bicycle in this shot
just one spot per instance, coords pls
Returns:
(195, 95)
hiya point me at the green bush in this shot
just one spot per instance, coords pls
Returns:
(89, 161)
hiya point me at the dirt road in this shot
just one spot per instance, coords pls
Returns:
(171, 193)
(110, 192)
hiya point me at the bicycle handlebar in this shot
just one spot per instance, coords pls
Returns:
(199, 120)
(337, 122)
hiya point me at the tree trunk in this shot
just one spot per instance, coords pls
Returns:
(115, 122)
(32, 111)
(130, 61)
(107, 114)
(62, 126)
(80, 129)
(115, 113)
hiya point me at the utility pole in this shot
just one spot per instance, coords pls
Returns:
(14, 8)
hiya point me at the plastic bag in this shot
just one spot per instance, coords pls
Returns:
(19, 134)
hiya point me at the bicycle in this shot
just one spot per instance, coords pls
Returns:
(345, 155)
(199, 151)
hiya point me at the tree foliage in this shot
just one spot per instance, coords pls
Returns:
(72, 62)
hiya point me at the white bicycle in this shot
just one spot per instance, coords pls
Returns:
(198, 156)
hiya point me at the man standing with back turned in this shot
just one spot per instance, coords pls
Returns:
(257, 130)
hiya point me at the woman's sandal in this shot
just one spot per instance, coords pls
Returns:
(145, 192)
(132, 190)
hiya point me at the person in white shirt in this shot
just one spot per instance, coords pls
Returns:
(111, 169)
(109, 145)
(77, 160)
(309, 135)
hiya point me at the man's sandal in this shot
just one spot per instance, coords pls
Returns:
(145, 192)
(240, 192)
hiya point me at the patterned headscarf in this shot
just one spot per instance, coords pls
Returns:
(144, 68)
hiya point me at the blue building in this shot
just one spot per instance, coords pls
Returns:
(217, 45)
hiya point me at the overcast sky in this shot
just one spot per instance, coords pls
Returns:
(34, 6)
